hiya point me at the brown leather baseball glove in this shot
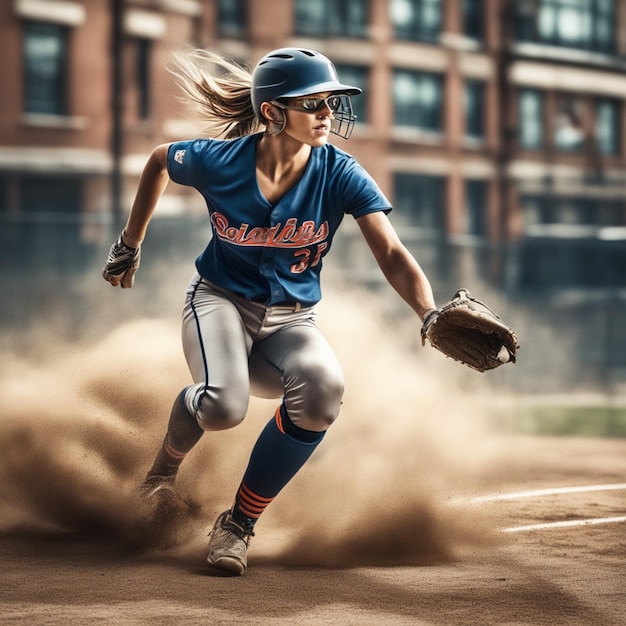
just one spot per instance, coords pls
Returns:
(467, 330)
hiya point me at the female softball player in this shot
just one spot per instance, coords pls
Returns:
(276, 192)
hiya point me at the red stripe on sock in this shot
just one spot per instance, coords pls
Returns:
(250, 510)
(251, 504)
(173, 452)
(253, 496)
(247, 511)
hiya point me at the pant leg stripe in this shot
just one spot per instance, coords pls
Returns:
(200, 341)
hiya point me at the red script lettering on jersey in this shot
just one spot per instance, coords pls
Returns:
(289, 235)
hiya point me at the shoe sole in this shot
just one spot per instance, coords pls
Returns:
(228, 564)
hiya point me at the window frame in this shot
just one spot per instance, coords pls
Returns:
(416, 29)
(334, 18)
(410, 201)
(568, 115)
(413, 106)
(476, 197)
(617, 107)
(600, 38)
(226, 25)
(473, 19)
(541, 144)
(55, 102)
(478, 110)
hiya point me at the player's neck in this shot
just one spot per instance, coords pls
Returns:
(281, 158)
(279, 166)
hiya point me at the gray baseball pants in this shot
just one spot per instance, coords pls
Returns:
(236, 348)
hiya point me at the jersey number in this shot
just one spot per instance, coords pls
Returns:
(305, 261)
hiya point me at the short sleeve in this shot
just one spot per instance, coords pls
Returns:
(361, 194)
(184, 161)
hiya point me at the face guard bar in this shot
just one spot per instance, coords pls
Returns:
(342, 123)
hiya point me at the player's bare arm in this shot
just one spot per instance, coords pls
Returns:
(152, 184)
(398, 265)
(125, 254)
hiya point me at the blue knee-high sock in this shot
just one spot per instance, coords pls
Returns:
(280, 451)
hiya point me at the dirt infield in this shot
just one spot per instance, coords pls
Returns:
(572, 575)
(381, 527)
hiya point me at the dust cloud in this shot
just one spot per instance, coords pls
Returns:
(79, 427)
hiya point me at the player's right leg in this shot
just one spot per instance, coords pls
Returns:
(215, 344)
(183, 432)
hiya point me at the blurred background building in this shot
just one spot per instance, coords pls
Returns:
(495, 127)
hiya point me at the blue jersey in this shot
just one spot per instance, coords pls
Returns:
(263, 252)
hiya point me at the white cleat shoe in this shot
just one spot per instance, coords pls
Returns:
(228, 545)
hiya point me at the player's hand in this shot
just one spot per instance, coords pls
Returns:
(121, 264)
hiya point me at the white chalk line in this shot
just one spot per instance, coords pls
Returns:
(594, 521)
(537, 493)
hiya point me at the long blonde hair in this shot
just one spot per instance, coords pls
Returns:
(220, 90)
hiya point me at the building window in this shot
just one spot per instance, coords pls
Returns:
(52, 224)
(334, 18)
(533, 212)
(416, 20)
(608, 127)
(541, 211)
(356, 75)
(579, 24)
(569, 135)
(45, 68)
(420, 201)
(474, 109)
(50, 194)
(144, 49)
(476, 208)
(473, 19)
(530, 119)
(232, 17)
(418, 100)
(311, 18)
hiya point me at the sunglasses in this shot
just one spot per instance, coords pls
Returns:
(311, 104)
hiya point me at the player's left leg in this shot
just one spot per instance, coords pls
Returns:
(313, 387)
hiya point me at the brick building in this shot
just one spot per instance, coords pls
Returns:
(487, 122)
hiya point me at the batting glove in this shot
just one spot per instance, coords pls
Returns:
(121, 264)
